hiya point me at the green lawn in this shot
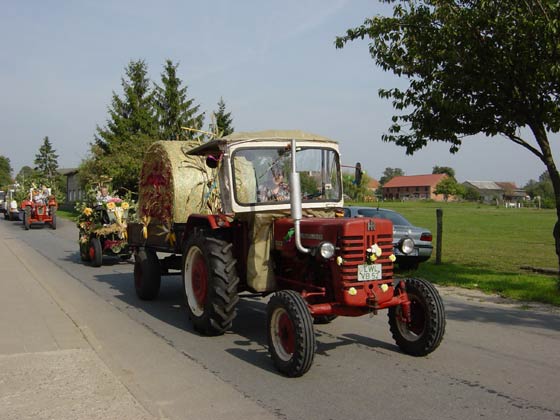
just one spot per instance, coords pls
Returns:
(484, 247)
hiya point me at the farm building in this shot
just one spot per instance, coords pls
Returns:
(413, 187)
(490, 191)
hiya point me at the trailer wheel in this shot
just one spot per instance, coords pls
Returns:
(27, 217)
(52, 213)
(95, 252)
(291, 339)
(423, 334)
(147, 274)
(210, 284)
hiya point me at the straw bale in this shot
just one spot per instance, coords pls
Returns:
(174, 185)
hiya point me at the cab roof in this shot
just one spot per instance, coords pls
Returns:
(215, 146)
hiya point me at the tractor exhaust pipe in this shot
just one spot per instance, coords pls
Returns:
(295, 201)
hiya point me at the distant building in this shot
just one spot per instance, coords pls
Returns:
(492, 191)
(419, 187)
(73, 190)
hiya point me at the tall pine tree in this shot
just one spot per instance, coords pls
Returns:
(173, 107)
(222, 125)
(132, 115)
(119, 147)
(46, 162)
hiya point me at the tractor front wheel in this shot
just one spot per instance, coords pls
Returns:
(291, 339)
(95, 252)
(147, 274)
(84, 249)
(210, 283)
(423, 334)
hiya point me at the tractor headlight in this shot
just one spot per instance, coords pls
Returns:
(326, 249)
(406, 246)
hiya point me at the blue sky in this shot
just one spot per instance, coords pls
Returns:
(274, 64)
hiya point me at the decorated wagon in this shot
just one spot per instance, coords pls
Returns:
(102, 230)
(261, 213)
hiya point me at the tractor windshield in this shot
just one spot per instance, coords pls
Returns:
(261, 176)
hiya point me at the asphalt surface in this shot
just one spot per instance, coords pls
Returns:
(77, 340)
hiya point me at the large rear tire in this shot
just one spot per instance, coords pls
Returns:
(291, 339)
(95, 252)
(27, 218)
(210, 283)
(423, 334)
(52, 213)
(147, 274)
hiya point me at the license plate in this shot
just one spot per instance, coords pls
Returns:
(367, 272)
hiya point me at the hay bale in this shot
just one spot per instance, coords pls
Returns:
(174, 185)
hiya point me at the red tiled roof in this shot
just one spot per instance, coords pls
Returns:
(430, 180)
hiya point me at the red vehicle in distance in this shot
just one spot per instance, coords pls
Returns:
(39, 208)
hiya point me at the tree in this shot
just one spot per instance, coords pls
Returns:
(448, 186)
(134, 114)
(173, 109)
(354, 191)
(487, 67)
(390, 173)
(543, 189)
(46, 162)
(471, 194)
(5, 171)
(444, 170)
(223, 121)
(132, 126)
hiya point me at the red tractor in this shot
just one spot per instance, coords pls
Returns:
(261, 213)
(39, 208)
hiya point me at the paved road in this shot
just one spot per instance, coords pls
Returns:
(497, 360)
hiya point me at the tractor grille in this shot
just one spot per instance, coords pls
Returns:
(353, 251)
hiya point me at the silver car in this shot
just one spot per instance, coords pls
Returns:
(402, 229)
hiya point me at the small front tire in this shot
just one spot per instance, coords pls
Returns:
(424, 333)
(291, 338)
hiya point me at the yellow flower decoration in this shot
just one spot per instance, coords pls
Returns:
(339, 260)
(376, 250)
(111, 206)
(384, 287)
(372, 257)
(125, 205)
(392, 257)
(352, 291)
(88, 211)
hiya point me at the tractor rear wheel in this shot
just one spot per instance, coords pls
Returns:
(147, 274)
(210, 283)
(291, 339)
(95, 252)
(27, 218)
(423, 334)
(52, 213)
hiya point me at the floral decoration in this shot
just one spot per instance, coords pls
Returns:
(373, 253)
